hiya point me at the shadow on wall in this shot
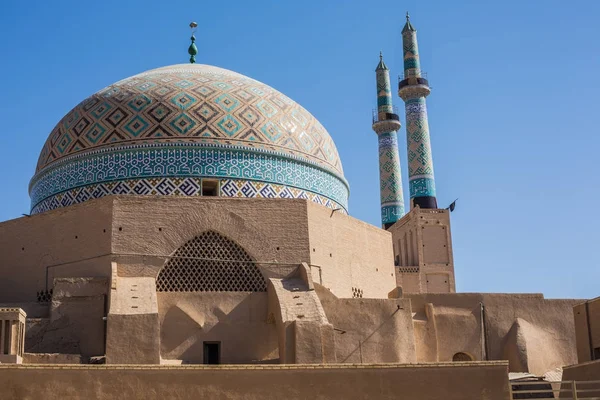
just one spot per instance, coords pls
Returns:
(364, 342)
(238, 320)
(370, 330)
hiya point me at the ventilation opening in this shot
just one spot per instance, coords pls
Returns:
(210, 187)
(597, 353)
(212, 352)
(462, 357)
(210, 262)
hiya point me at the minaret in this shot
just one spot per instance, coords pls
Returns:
(413, 89)
(385, 123)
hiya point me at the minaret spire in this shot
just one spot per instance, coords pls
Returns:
(193, 50)
(386, 123)
(408, 26)
(413, 89)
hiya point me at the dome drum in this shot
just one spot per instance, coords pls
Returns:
(169, 170)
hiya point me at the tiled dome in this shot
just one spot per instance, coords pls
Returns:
(165, 130)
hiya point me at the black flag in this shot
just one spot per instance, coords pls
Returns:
(452, 206)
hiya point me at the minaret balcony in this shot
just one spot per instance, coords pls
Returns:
(386, 122)
(413, 86)
(385, 116)
(404, 81)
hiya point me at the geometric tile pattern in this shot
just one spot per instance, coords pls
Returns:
(186, 121)
(390, 178)
(210, 262)
(191, 103)
(172, 186)
(412, 65)
(158, 161)
(420, 162)
(241, 188)
(384, 90)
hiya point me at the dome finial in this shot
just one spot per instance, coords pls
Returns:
(193, 50)
(380, 55)
(407, 17)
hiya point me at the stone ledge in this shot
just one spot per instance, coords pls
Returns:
(462, 364)
(13, 314)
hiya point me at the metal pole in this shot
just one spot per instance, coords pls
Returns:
(574, 390)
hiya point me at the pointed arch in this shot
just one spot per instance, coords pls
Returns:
(210, 262)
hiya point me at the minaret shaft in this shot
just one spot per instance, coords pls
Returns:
(410, 47)
(413, 89)
(385, 124)
(390, 179)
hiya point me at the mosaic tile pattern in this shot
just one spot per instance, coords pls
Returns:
(390, 178)
(167, 186)
(384, 90)
(191, 103)
(240, 188)
(410, 47)
(420, 162)
(187, 161)
(186, 121)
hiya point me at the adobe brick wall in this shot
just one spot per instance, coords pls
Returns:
(547, 325)
(587, 328)
(71, 241)
(370, 330)
(332, 381)
(350, 254)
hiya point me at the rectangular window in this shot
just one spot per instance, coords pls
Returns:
(597, 353)
(212, 352)
(210, 187)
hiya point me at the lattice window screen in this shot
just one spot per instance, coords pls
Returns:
(210, 262)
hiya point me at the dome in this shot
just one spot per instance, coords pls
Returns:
(188, 130)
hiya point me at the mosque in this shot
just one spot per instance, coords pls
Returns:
(192, 215)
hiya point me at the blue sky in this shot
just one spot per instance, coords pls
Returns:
(513, 112)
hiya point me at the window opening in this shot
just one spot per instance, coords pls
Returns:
(210, 187)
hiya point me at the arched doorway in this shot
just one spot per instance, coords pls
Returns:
(213, 304)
